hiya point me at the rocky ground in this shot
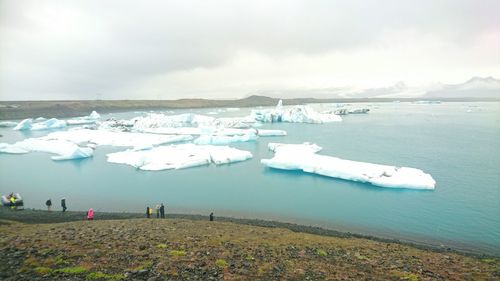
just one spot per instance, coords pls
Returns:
(182, 249)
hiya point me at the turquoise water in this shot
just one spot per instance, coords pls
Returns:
(460, 149)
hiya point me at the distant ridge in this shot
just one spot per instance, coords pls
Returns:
(476, 87)
(10, 110)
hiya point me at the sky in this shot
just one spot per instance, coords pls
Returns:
(119, 49)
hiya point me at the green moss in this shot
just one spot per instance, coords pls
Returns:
(145, 265)
(161, 246)
(72, 270)
(321, 253)
(488, 260)
(221, 263)
(60, 261)
(104, 276)
(409, 277)
(249, 258)
(176, 253)
(43, 270)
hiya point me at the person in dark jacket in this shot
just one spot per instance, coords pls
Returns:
(48, 203)
(162, 211)
(63, 204)
(148, 212)
(212, 216)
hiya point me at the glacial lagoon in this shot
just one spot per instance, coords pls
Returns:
(457, 143)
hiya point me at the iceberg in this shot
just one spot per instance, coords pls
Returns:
(24, 125)
(64, 150)
(90, 119)
(103, 137)
(221, 139)
(7, 124)
(303, 157)
(213, 131)
(27, 124)
(295, 114)
(178, 156)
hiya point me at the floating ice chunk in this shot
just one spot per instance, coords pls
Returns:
(221, 139)
(90, 119)
(52, 123)
(303, 157)
(39, 119)
(12, 149)
(102, 137)
(24, 125)
(295, 114)
(8, 124)
(178, 156)
(64, 150)
(213, 131)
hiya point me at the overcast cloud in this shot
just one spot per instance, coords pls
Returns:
(230, 49)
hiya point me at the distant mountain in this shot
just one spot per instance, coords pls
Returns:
(476, 87)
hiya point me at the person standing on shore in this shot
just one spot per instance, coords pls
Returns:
(157, 208)
(63, 204)
(162, 211)
(148, 212)
(90, 214)
(49, 204)
(212, 216)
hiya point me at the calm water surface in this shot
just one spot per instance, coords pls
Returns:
(460, 149)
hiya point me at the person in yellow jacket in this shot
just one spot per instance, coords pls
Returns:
(13, 202)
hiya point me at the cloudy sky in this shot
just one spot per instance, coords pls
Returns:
(229, 49)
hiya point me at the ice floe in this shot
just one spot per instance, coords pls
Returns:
(222, 139)
(178, 156)
(294, 114)
(63, 149)
(103, 137)
(54, 123)
(8, 124)
(303, 157)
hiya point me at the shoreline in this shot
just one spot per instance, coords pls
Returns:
(34, 216)
(13, 110)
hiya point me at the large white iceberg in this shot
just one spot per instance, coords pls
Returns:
(103, 137)
(27, 124)
(63, 149)
(303, 157)
(214, 131)
(295, 114)
(221, 139)
(178, 156)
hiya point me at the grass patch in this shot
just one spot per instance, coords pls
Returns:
(321, 253)
(161, 246)
(41, 270)
(145, 265)
(221, 263)
(249, 258)
(409, 277)
(60, 261)
(72, 270)
(177, 253)
(104, 276)
(488, 260)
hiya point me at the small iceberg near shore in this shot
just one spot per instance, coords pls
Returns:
(178, 156)
(54, 123)
(303, 157)
(64, 150)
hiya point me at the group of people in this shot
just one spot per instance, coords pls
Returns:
(48, 203)
(160, 211)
